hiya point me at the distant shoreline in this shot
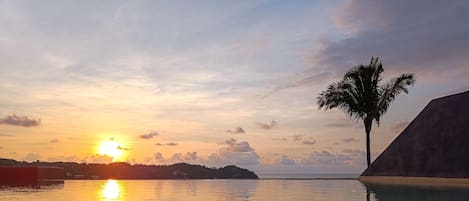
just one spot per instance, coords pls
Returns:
(217, 179)
(122, 170)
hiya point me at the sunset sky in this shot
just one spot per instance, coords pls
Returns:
(215, 82)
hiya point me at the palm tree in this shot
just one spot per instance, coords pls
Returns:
(361, 95)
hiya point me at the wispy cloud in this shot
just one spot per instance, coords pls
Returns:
(235, 146)
(16, 120)
(297, 138)
(55, 140)
(149, 135)
(300, 140)
(267, 126)
(175, 158)
(279, 139)
(234, 152)
(119, 147)
(340, 125)
(311, 79)
(309, 142)
(236, 130)
(167, 144)
(285, 160)
(327, 158)
(5, 135)
(424, 45)
(351, 139)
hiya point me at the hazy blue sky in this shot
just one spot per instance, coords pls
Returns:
(215, 82)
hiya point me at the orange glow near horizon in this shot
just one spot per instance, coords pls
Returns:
(111, 149)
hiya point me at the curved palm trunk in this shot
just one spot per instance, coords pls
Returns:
(368, 123)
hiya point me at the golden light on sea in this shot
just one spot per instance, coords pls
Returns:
(111, 190)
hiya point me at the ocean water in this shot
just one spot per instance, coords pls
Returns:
(229, 190)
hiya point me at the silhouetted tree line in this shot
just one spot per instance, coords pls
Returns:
(122, 170)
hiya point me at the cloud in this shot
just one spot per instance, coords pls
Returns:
(24, 121)
(149, 135)
(237, 153)
(399, 126)
(267, 126)
(353, 151)
(158, 157)
(233, 158)
(119, 147)
(419, 37)
(176, 158)
(279, 139)
(350, 18)
(55, 140)
(230, 141)
(348, 158)
(167, 144)
(340, 125)
(5, 135)
(308, 142)
(31, 157)
(237, 130)
(327, 158)
(344, 123)
(187, 157)
(350, 140)
(171, 144)
(300, 139)
(285, 160)
(190, 156)
(234, 146)
(297, 138)
(232, 152)
(309, 79)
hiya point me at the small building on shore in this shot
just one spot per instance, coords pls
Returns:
(432, 150)
(31, 175)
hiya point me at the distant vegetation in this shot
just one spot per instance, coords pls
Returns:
(361, 95)
(122, 170)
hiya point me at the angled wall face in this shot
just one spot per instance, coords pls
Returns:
(434, 144)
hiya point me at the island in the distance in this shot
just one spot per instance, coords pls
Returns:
(122, 170)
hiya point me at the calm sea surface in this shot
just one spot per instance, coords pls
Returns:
(230, 190)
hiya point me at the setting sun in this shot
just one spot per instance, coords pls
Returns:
(110, 148)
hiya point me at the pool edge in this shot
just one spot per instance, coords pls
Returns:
(416, 181)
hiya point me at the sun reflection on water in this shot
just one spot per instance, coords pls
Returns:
(111, 190)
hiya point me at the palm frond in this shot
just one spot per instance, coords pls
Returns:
(391, 89)
(378, 69)
(341, 95)
(366, 80)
